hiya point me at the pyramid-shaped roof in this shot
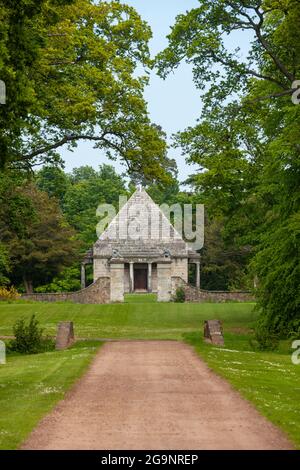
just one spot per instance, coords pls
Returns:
(141, 230)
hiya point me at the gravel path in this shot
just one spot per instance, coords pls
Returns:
(153, 395)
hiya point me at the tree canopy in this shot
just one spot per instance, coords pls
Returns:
(246, 142)
(36, 236)
(71, 73)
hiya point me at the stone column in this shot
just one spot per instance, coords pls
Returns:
(198, 274)
(83, 283)
(131, 277)
(117, 286)
(149, 277)
(164, 283)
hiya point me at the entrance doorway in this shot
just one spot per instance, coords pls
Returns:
(140, 279)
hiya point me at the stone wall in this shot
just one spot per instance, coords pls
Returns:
(101, 268)
(180, 268)
(97, 293)
(192, 294)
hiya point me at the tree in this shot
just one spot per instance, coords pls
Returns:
(4, 265)
(200, 37)
(41, 244)
(21, 45)
(79, 82)
(246, 141)
(87, 190)
(53, 181)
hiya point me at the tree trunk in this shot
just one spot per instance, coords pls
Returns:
(28, 285)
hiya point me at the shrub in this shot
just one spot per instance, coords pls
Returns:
(29, 338)
(9, 293)
(180, 295)
(264, 339)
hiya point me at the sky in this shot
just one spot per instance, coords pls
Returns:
(173, 103)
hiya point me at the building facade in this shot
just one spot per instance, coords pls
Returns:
(141, 252)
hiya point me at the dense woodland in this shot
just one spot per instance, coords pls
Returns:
(71, 74)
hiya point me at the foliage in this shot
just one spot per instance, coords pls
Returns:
(22, 36)
(223, 263)
(264, 340)
(54, 181)
(39, 240)
(29, 338)
(245, 143)
(74, 67)
(278, 268)
(4, 265)
(9, 293)
(179, 295)
(201, 38)
(67, 281)
(88, 189)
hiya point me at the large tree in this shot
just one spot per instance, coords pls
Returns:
(77, 79)
(247, 140)
(38, 240)
(201, 38)
(21, 45)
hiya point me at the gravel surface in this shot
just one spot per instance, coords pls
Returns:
(154, 395)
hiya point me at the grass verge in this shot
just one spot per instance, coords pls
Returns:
(30, 386)
(267, 379)
(133, 320)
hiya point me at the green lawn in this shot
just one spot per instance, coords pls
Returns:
(140, 298)
(30, 385)
(268, 379)
(148, 320)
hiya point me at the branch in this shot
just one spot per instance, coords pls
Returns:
(275, 59)
(272, 95)
(251, 72)
(63, 141)
(75, 137)
(257, 28)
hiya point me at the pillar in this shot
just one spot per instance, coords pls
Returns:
(149, 277)
(83, 283)
(198, 274)
(131, 277)
(164, 283)
(117, 285)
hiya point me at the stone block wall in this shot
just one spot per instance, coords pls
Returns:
(192, 294)
(101, 268)
(97, 293)
(180, 268)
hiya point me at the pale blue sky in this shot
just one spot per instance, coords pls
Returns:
(174, 103)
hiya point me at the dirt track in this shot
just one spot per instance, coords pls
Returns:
(153, 395)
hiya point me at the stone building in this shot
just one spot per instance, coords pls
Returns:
(140, 251)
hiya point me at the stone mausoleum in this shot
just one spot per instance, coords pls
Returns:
(140, 252)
